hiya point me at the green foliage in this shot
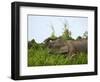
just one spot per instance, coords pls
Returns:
(33, 44)
(41, 57)
(66, 34)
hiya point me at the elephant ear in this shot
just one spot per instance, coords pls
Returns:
(64, 49)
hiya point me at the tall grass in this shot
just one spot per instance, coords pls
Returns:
(41, 57)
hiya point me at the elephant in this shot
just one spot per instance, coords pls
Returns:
(68, 47)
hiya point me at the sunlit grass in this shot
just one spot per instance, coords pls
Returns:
(41, 57)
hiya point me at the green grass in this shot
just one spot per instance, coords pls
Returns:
(41, 57)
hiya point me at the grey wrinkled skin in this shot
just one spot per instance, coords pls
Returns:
(68, 47)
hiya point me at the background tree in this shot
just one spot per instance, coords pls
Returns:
(85, 35)
(78, 38)
(66, 35)
(33, 44)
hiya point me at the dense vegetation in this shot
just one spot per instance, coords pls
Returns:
(39, 57)
(38, 53)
